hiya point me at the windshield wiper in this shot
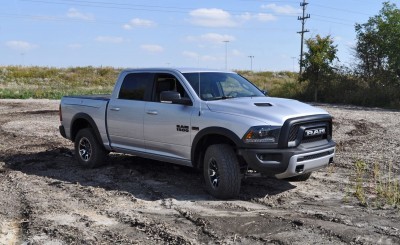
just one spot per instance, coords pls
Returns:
(252, 95)
(221, 98)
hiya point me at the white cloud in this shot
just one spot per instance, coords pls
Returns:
(75, 14)
(211, 18)
(211, 37)
(338, 38)
(21, 45)
(265, 17)
(283, 9)
(260, 17)
(138, 23)
(190, 54)
(236, 52)
(152, 48)
(246, 16)
(110, 39)
(75, 46)
(209, 58)
(194, 55)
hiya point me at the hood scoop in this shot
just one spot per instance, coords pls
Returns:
(263, 104)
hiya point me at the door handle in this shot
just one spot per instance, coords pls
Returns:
(115, 109)
(152, 112)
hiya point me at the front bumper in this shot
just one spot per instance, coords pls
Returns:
(285, 163)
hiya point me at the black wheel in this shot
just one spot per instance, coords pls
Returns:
(301, 177)
(221, 171)
(89, 152)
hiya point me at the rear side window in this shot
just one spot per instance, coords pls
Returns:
(134, 86)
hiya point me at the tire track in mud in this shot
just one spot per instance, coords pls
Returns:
(137, 201)
(10, 226)
(71, 219)
(167, 202)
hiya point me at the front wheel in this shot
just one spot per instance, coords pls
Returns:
(221, 171)
(89, 152)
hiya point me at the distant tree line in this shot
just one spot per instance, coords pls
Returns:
(373, 79)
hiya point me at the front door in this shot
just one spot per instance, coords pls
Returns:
(167, 126)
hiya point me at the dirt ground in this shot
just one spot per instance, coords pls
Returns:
(47, 198)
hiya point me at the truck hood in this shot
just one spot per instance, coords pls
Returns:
(272, 111)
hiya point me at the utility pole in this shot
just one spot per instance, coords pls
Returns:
(251, 62)
(226, 54)
(303, 21)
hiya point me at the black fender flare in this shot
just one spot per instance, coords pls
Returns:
(214, 131)
(91, 122)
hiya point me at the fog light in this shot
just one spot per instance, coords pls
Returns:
(299, 169)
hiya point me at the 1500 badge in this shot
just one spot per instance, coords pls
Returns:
(182, 128)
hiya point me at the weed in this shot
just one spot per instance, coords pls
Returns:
(383, 182)
(359, 182)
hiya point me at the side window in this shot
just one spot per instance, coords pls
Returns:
(134, 86)
(167, 82)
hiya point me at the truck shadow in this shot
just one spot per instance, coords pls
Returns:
(130, 175)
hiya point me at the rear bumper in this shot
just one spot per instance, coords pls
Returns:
(285, 163)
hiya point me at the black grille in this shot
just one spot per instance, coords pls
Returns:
(313, 139)
(293, 132)
(310, 157)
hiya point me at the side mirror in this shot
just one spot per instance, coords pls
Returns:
(174, 97)
(265, 92)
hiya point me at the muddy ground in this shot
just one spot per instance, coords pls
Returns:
(46, 198)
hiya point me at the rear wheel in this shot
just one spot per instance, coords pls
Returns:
(221, 171)
(89, 152)
(301, 177)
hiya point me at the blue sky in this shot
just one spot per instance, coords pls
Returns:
(153, 33)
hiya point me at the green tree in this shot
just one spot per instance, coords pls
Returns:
(378, 54)
(378, 43)
(318, 62)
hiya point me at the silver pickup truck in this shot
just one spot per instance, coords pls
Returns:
(216, 121)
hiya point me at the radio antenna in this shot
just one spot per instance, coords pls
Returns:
(201, 102)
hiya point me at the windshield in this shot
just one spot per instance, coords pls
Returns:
(220, 85)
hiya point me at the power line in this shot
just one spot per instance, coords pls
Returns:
(141, 7)
(167, 9)
(112, 22)
(342, 10)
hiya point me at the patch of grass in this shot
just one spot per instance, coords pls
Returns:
(278, 84)
(52, 83)
(18, 82)
(360, 167)
(376, 186)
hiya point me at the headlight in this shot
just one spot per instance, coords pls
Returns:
(262, 134)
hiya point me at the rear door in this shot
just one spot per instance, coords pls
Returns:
(125, 113)
(167, 126)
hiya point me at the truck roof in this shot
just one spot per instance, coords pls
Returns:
(175, 69)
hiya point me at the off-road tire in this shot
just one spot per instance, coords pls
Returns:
(301, 177)
(88, 151)
(221, 160)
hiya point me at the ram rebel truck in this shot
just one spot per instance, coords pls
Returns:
(216, 121)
